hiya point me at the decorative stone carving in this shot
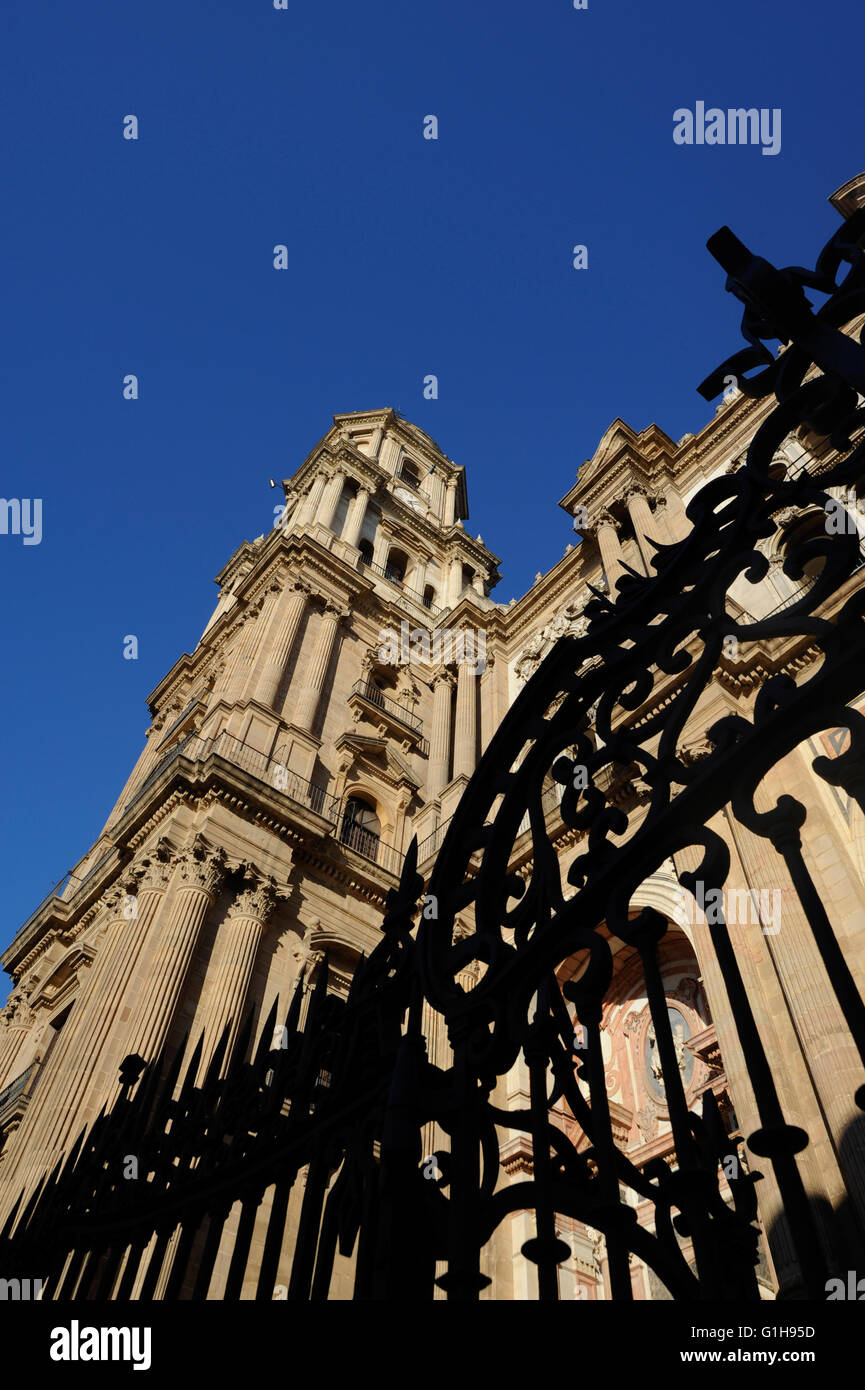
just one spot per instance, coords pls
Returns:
(569, 622)
(257, 898)
(202, 867)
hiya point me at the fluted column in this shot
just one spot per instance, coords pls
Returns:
(611, 551)
(277, 647)
(253, 625)
(380, 547)
(303, 715)
(330, 500)
(641, 517)
(230, 972)
(17, 1023)
(416, 579)
(355, 518)
(455, 582)
(157, 991)
(440, 733)
(465, 724)
(312, 501)
(81, 1070)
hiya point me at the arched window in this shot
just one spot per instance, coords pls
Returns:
(409, 473)
(361, 828)
(810, 527)
(366, 550)
(397, 564)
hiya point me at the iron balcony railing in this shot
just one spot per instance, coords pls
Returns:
(368, 844)
(16, 1088)
(371, 692)
(62, 884)
(429, 845)
(394, 577)
(261, 765)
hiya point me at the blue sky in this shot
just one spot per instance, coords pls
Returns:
(407, 257)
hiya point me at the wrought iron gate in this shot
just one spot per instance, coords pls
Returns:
(332, 1112)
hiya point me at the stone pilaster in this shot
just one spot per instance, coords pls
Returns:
(303, 715)
(641, 518)
(230, 971)
(440, 733)
(330, 500)
(465, 724)
(312, 501)
(157, 990)
(611, 551)
(276, 649)
(356, 517)
(76, 1082)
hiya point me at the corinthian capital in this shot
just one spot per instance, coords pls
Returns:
(338, 612)
(155, 870)
(202, 867)
(256, 899)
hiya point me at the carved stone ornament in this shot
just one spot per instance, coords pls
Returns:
(256, 898)
(569, 622)
(202, 867)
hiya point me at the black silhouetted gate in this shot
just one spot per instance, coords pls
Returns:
(343, 1100)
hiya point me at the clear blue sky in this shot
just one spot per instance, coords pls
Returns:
(408, 257)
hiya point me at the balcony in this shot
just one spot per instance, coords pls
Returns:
(367, 844)
(259, 765)
(14, 1098)
(394, 577)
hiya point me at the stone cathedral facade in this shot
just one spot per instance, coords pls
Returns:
(354, 670)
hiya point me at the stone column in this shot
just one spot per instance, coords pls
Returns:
(311, 503)
(677, 522)
(417, 578)
(611, 552)
(439, 756)
(455, 582)
(157, 991)
(306, 708)
(478, 584)
(230, 971)
(641, 517)
(17, 1022)
(253, 624)
(355, 519)
(380, 547)
(450, 502)
(277, 647)
(465, 729)
(82, 1066)
(330, 500)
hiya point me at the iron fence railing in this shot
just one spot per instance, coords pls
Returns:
(10, 1093)
(393, 577)
(430, 843)
(368, 844)
(371, 692)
